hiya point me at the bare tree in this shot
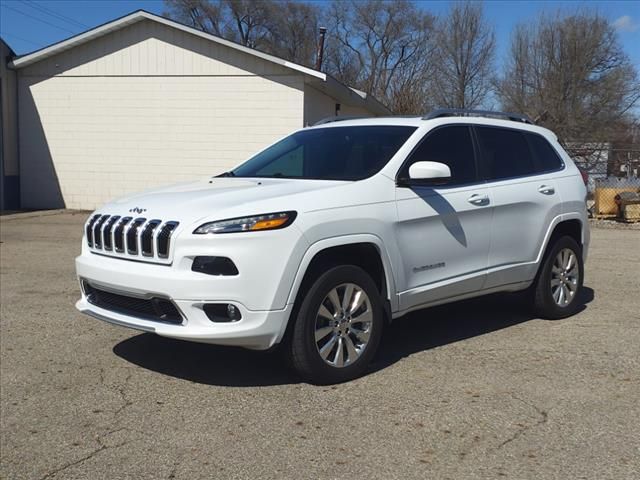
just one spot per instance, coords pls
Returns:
(568, 71)
(250, 22)
(463, 63)
(204, 15)
(375, 44)
(571, 74)
(293, 30)
(284, 28)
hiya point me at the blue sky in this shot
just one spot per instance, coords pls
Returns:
(27, 25)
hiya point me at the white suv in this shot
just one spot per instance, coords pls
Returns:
(318, 241)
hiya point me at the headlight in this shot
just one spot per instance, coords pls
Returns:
(267, 221)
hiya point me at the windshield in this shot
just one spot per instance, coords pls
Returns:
(335, 153)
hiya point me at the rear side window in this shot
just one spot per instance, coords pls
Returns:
(546, 157)
(505, 153)
(452, 146)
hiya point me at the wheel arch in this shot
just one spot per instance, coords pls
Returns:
(569, 224)
(366, 251)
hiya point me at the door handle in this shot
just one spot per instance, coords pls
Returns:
(478, 199)
(546, 189)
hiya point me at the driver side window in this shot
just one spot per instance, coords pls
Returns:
(451, 145)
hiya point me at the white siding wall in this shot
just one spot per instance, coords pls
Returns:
(318, 105)
(145, 106)
(151, 48)
(355, 111)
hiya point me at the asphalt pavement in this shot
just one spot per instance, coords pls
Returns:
(478, 389)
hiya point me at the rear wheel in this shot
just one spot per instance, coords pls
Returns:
(559, 282)
(338, 326)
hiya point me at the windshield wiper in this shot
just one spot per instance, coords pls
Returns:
(226, 174)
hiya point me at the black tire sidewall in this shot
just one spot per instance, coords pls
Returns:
(545, 304)
(306, 358)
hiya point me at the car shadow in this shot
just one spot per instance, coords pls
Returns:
(418, 331)
(438, 326)
(446, 213)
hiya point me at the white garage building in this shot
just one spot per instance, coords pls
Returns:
(144, 101)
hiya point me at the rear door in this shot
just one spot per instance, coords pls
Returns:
(520, 175)
(443, 231)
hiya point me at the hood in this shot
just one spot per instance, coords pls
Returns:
(219, 197)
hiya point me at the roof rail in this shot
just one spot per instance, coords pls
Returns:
(336, 118)
(461, 112)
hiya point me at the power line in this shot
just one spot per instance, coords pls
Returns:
(52, 13)
(36, 18)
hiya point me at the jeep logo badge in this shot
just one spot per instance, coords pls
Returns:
(137, 210)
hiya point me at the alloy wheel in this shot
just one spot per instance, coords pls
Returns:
(343, 325)
(564, 277)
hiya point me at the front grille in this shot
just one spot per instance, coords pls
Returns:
(156, 308)
(129, 237)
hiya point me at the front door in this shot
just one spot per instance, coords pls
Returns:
(443, 232)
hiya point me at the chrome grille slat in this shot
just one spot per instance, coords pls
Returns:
(107, 232)
(89, 229)
(147, 237)
(130, 237)
(164, 239)
(97, 232)
(139, 231)
(119, 244)
(133, 240)
(125, 235)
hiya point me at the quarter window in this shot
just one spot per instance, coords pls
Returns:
(505, 153)
(452, 146)
(546, 157)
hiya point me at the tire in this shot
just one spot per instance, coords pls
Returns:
(327, 347)
(559, 300)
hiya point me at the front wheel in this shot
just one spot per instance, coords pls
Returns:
(559, 282)
(338, 326)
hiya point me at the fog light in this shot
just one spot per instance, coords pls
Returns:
(214, 266)
(222, 312)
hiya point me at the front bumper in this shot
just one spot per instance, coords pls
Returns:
(258, 329)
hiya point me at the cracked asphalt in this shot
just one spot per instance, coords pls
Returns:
(479, 389)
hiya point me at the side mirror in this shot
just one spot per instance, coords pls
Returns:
(434, 173)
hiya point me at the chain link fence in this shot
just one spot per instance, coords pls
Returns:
(614, 178)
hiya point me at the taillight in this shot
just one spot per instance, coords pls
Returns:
(585, 176)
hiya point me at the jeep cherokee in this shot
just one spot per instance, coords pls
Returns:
(317, 242)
